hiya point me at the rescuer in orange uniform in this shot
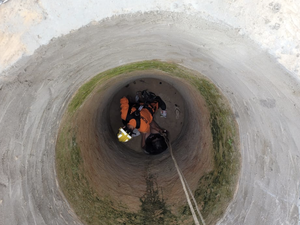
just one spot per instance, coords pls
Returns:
(138, 116)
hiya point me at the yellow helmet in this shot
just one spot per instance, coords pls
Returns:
(123, 135)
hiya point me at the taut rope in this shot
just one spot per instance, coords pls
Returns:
(186, 188)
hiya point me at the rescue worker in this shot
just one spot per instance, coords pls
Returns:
(138, 116)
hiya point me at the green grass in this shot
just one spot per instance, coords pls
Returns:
(215, 189)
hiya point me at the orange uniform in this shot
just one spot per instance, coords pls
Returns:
(145, 115)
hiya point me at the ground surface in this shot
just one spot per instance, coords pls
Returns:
(272, 25)
(264, 97)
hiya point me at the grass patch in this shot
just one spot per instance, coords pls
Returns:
(215, 189)
(154, 209)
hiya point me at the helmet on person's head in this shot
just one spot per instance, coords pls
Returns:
(155, 144)
(124, 134)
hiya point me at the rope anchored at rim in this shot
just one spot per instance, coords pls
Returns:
(188, 193)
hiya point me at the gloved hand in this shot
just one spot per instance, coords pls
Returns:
(163, 113)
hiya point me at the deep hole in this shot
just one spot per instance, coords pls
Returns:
(119, 169)
(119, 179)
(175, 115)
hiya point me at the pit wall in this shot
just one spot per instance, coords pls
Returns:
(212, 161)
(26, 25)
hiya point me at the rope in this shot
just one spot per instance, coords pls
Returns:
(186, 188)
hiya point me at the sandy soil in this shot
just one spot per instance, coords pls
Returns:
(265, 99)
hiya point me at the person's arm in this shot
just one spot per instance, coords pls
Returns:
(161, 103)
(155, 128)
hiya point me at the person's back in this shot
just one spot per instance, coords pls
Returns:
(138, 116)
(145, 116)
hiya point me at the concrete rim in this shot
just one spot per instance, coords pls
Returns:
(263, 96)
